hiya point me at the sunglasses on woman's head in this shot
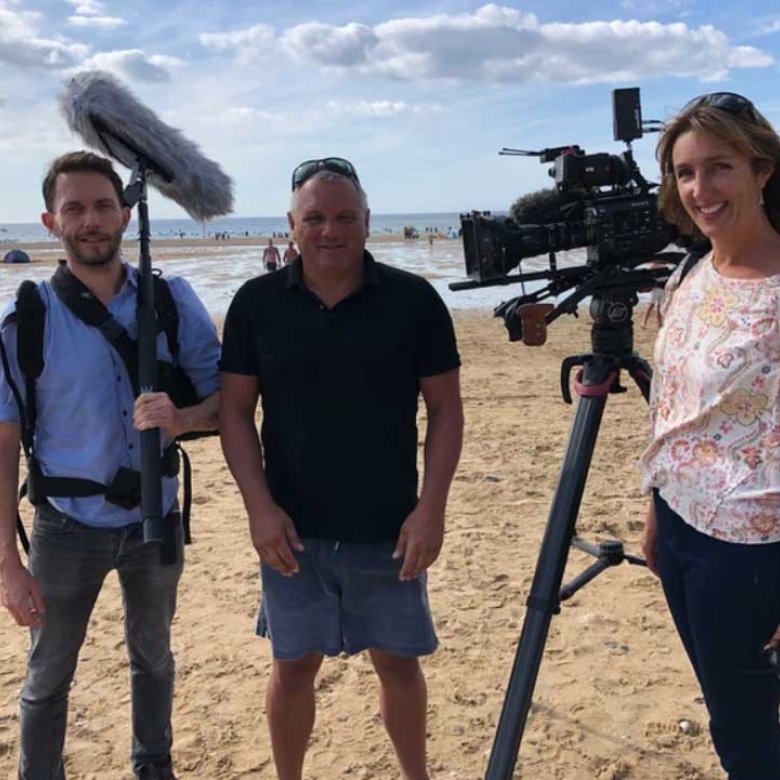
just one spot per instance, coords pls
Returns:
(306, 170)
(726, 101)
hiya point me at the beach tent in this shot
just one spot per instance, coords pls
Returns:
(16, 256)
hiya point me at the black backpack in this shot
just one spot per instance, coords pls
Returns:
(124, 490)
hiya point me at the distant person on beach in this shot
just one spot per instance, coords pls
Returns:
(340, 347)
(656, 299)
(86, 463)
(271, 256)
(713, 526)
(290, 254)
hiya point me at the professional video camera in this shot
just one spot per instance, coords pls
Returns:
(606, 205)
(615, 225)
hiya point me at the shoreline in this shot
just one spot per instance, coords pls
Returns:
(165, 242)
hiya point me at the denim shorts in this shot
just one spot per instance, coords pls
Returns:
(346, 598)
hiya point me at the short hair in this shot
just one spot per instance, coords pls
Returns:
(747, 132)
(80, 162)
(326, 175)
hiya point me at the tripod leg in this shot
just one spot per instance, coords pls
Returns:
(543, 601)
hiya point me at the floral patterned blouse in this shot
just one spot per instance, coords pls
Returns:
(714, 406)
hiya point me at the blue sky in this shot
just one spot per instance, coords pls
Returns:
(420, 96)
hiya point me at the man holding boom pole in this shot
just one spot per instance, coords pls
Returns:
(79, 423)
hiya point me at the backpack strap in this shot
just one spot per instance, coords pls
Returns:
(186, 506)
(29, 313)
(167, 314)
(89, 309)
(30, 320)
(85, 305)
(691, 259)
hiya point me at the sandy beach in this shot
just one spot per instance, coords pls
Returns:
(614, 685)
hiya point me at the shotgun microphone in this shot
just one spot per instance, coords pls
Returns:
(106, 114)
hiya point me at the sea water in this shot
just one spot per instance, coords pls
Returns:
(381, 224)
(217, 271)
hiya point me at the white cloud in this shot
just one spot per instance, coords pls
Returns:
(381, 108)
(500, 44)
(768, 26)
(92, 13)
(331, 46)
(21, 45)
(16, 24)
(460, 47)
(748, 57)
(87, 7)
(241, 114)
(602, 52)
(249, 45)
(134, 64)
(654, 6)
(104, 22)
(33, 131)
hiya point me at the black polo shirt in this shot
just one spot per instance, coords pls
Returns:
(339, 390)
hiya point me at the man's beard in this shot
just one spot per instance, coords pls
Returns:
(77, 252)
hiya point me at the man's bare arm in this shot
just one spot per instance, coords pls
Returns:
(203, 416)
(20, 594)
(157, 410)
(443, 436)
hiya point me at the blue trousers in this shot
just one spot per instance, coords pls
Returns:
(70, 561)
(725, 601)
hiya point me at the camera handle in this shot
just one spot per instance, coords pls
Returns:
(598, 378)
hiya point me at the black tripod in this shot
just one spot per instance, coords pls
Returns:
(612, 339)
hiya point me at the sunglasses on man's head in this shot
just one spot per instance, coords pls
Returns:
(726, 101)
(307, 169)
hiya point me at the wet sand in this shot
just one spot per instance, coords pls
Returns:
(41, 251)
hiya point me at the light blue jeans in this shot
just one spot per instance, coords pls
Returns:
(70, 561)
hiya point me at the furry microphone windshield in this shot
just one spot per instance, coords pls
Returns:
(109, 118)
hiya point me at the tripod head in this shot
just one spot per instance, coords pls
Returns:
(612, 344)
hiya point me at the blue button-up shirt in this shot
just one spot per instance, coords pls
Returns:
(84, 426)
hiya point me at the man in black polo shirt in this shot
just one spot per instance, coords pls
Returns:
(339, 348)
